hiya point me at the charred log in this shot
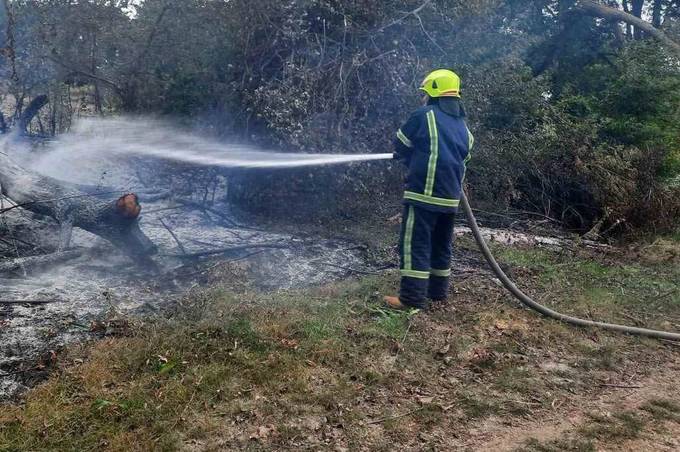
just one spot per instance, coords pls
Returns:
(107, 215)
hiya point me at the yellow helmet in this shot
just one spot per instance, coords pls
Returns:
(441, 83)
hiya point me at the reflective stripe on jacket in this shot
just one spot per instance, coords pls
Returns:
(435, 146)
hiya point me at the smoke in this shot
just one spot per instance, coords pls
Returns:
(95, 149)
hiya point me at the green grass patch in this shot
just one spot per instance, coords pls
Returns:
(663, 410)
(600, 286)
(477, 406)
(516, 379)
(615, 427)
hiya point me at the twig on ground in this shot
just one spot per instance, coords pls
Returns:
(204, 208)
(353, 270)
(391, 418)
(212, 267)
(40, 260)
(607, 385)
(632, 318)
(179, 244)
(4, 240)
(228, 250)
(670, 342)
(667, 294)
(34, 302)
(163, 209)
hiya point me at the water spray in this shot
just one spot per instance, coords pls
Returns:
(95, 140)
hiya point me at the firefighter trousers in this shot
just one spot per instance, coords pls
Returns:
(425, 246)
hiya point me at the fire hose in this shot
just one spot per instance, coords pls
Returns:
(531, 304)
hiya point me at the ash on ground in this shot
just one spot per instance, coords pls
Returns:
(196, 246)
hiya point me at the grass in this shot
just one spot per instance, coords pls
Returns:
(330, 366)
(611, 428)
(600, 285)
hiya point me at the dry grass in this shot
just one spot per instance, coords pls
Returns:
(329, 368)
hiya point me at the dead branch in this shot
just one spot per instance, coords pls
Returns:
(229, 250)
(415, 12)
(205, 208)
(54, 58)
(392, 418)
(605, 385)
(174, 236)
(29, 302)
(9, 265)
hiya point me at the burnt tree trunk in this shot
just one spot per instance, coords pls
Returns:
(107, 215)
(29, 113)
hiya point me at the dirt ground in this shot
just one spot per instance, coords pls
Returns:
(496, 435)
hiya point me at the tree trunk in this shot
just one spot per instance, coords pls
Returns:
(29, 113)
(9, 50)
(636, 11)
(107, 215)
(656, 13)
(93, 70)
(606, 12)
(629, 28)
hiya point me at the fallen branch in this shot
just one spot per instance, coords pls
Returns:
(172, 233)
(391, 418)
(115, 219)
(27, 204)
(38, 261)
(605, 385)
(32, 302)
(228, 250)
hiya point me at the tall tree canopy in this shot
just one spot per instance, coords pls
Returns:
(575, 101)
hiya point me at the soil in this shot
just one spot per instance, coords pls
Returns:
(497, 435)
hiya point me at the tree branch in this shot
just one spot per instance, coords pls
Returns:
(405, 16)
(606, 12)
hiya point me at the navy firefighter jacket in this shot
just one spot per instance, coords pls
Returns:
(435, 146)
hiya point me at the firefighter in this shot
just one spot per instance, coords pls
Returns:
(435, 145)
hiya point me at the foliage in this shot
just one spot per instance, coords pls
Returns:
(576, 118)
